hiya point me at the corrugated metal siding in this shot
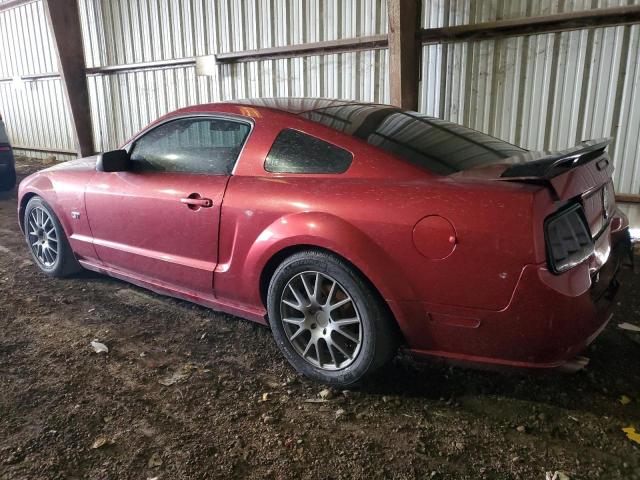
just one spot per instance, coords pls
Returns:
(34, 111)
(124, 32)
(36, 114)
(544, 92)
(125, 102)
(25, 42)
(119, 32)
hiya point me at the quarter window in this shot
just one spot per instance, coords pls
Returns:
(430, 143)
(297, 152)
(191, 145)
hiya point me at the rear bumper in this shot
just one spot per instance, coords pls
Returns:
(549, 320)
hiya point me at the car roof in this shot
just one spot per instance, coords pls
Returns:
(285, 104)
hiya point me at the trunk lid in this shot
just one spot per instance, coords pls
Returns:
(582, 172)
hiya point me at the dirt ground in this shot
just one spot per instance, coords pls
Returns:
(237, 410)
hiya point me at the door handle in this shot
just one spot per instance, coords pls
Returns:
(197, 202)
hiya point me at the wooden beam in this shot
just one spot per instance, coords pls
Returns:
(515, 27)
(316, 48)
(64, 21)
(44, 149)
(130, 67)
(13, 3)
(627, 198)
(32, 77)
(558, 22)
(404, 52)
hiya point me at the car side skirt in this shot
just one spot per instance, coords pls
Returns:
(209, 301)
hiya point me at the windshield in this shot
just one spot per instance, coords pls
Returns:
(436, 145)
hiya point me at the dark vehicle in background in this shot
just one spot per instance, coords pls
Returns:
(7, 162)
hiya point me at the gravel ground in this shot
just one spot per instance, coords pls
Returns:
(185, 392)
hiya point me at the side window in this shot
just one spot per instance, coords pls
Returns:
(297, 152)
(191, 145)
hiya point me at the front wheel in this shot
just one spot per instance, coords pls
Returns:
(47, 241)
(327, 320)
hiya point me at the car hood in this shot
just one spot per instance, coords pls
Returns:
(79, 165)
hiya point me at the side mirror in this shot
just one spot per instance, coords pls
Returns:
(113, 161)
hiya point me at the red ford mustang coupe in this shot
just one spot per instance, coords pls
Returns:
(350, 229)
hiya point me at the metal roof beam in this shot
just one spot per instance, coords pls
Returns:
(559, 22)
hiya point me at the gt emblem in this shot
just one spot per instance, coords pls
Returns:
(75, 215)
(605, 201)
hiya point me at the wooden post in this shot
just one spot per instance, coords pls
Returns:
(404, 52)
(64, 21)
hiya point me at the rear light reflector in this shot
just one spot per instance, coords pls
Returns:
(568, 239)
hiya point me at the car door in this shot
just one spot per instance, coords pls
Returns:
(159, 220)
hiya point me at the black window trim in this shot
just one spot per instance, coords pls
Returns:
(220, 116)
(333, 144)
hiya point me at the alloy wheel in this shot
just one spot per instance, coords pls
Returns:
(321, 320)
(42, 237)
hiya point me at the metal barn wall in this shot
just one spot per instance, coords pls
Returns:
(35, 111)
(121, 32)
(544, 91)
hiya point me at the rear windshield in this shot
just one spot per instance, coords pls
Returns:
(435, 145)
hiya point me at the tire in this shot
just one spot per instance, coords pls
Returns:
(321, 341)
(52, 253)
(8, 181)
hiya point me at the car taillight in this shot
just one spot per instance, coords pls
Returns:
(568, 239)
(5, 149)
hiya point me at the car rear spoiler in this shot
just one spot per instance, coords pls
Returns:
(554, 164)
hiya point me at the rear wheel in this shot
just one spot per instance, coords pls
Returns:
(329, 323)
(47, 241)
